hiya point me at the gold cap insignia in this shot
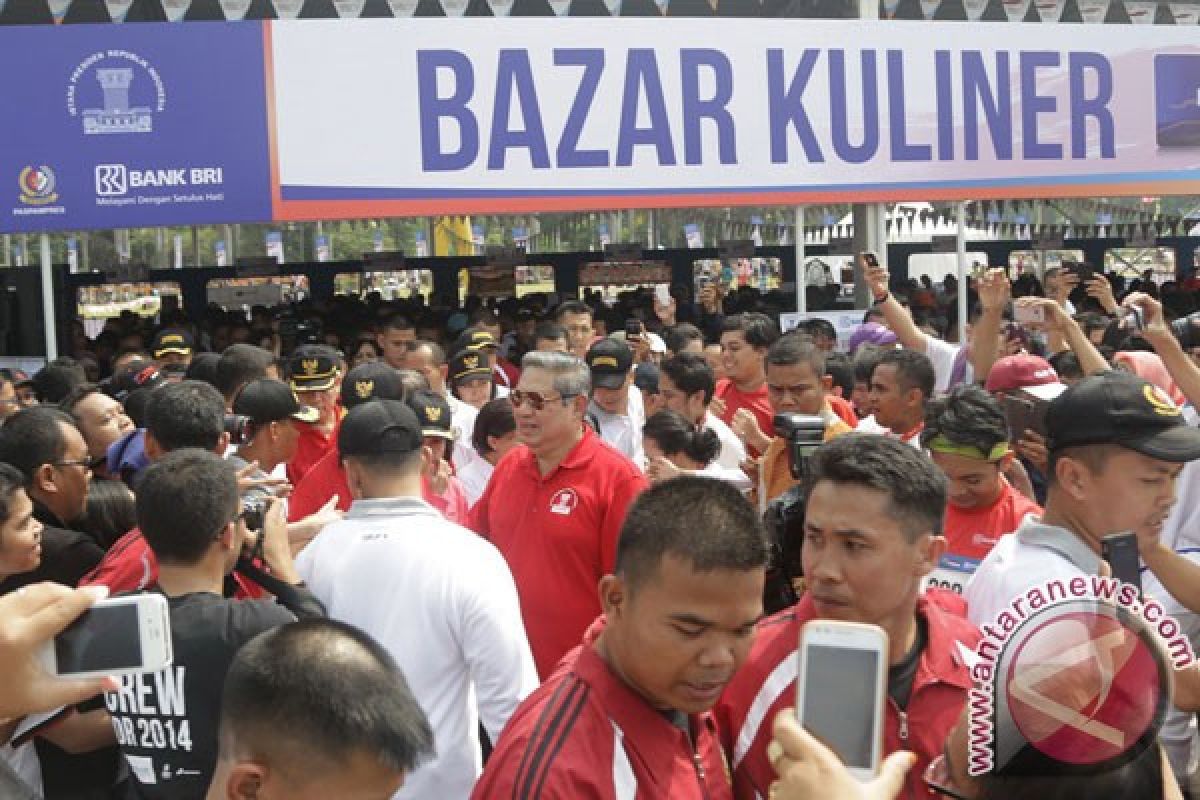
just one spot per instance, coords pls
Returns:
(1162, 404)
(310, 366)
(364, 389)
(433, 412)
(605, 361)
(471, 362)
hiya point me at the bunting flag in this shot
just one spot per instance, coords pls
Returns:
(1016, 10)
(887, 8)
(500, 8)
(403, 8)
(349, 9)
(58, 8)
(975, 9)
(1049, 10)
(1141, 12)
(455, 8)
(1185, 13)
(235, 9)
(118, 9)
(288, 9)
(929, 8)
(176, 9)
(1093, 12)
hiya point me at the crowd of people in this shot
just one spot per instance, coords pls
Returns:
(535, 551)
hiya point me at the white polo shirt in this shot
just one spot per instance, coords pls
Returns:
(442, 601)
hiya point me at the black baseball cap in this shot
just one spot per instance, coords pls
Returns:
(433, 411)
(377, 427)
(646, 378)
(468, 363)
(172, 340)
(370, 382)
(474, 339)
(265, 400)
(1117, 407)
(609, 361)
(137, 374)
(313, 369)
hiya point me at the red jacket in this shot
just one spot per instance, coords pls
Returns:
(311, 446)
(766, 684)
(585, 735)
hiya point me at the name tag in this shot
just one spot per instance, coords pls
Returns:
(952, 572)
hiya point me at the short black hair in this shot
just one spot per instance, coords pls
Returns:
(203, 367)
(969, 416)
(239, 364)
(703, 521)
(398, 322)
(496, 418)
(913, 370)
(77, 396)
(795, 348)
(111, 512)
(758, 329)
(1066, 364)
(572, 307)
(326, 691)
(865, 359)
(184, 501)
(819, 326)
(33, 437)
(10, 480)
(675, 434)
(549, 330)
(55, 381)
(185, 414)
(916, 488)
(691, 373)
(678, 336)
(841, 370)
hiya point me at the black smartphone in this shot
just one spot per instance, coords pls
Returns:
(1120, 550)
(1018, 413)
(633, 328)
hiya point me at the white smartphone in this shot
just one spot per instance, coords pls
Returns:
(116, 636)
(1027, 315)
(841, 688)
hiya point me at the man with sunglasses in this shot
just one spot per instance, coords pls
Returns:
(48, 450)
(555, 504)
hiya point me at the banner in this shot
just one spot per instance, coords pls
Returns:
(159, 124)
(323, 252)
(275, 245)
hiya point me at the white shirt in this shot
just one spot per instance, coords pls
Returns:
(733, 452)
(624, 431)
(462, 423)
(474, 478)
(442, 601)
(870, 425)
(943, 354)
(1035, 555)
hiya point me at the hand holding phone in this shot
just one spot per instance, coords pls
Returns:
(1029, 314)
(840, 690)
(1120, 550)
(118, 636)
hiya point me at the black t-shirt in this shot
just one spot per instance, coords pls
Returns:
(166, 722)
(902, 675)
(66, 557)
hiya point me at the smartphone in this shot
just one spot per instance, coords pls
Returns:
(870, 259)
(1029, 315)
(1132, 319)
(1018, 413)
(841, 688)
(1120, 550)
(633, 328)
(116, 636)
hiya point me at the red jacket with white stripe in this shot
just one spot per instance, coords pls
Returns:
(585, 735)
(766, 684)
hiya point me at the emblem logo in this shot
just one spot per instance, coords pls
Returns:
(1162, 404)
(112, 180)
(433, 412)
(309, 366)
(471, 362)
(123, 92)
(364, 389)
(37, 186)
(564, 502)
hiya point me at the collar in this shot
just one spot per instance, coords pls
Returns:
(43, 514)
(578, 457)
(390, 507)
(1062, 541)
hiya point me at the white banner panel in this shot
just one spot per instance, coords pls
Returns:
(430, 115)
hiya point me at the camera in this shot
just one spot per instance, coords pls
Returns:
(254, 510)
(804, 434)
(239, 427)
(1187, 330)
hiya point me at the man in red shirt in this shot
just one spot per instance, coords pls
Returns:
(967, 437)
(871, 534)
(316, 379)
(626, 714)
(745, 339)
(554, 505)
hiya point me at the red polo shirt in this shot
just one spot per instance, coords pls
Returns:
(327, 478)
(757, 402)
(558, 533)
(131, 566)
(311, 447)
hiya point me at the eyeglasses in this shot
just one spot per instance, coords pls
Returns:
(86, 462)
(937, 775)
(536, 400)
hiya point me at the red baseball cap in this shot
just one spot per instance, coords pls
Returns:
(1020, 371)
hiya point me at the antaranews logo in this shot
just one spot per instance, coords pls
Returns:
(1072, 674)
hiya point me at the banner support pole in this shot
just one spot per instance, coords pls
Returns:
(48, 326)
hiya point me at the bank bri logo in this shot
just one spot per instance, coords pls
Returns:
(121, 76)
